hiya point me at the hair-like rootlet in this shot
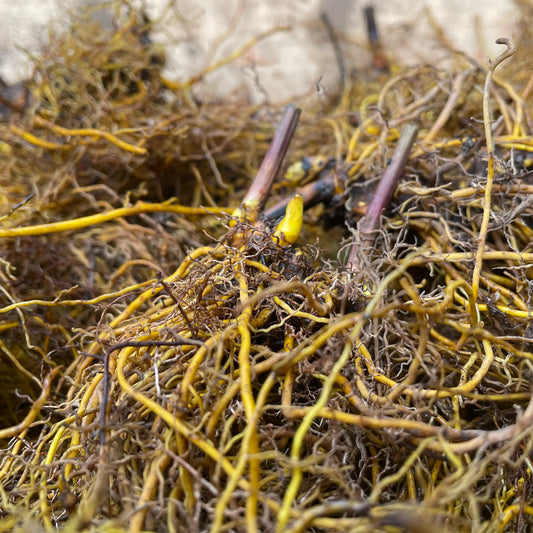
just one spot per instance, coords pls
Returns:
(190, 343)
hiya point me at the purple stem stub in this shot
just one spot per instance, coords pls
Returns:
(273, 159)
(384, 192)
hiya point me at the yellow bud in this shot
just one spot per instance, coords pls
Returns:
(296, 172)
(288, 230)
(368, 290)
(5, 149)
(306, 170)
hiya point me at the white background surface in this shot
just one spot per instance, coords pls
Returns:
(288, 63)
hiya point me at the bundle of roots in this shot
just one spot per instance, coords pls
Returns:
(346, 349)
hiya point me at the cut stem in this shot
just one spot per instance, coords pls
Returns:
(387, 185)
(260, 188)
(379, 60)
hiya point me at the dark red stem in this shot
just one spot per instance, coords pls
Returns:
(387, 185)
(260, 188)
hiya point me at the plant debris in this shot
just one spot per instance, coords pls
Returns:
(190, 343)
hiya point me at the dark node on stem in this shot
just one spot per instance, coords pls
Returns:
(312, 194)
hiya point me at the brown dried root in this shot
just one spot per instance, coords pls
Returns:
(249, 390)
